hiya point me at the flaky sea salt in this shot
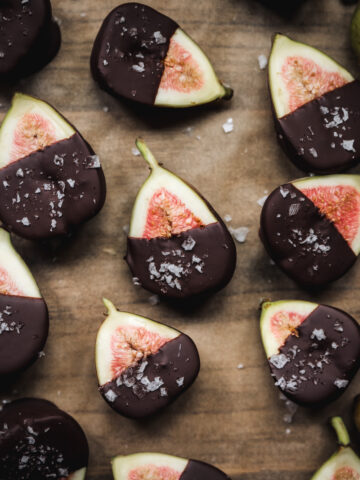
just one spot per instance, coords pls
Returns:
(239, 233)
(340, 383)
(263, 61)
(279, 361)
(159, 38)
(228, 126)
(348, 145)
(135, 151)
(227, 218)
(188, 244)
(111, 396)
(262, 200)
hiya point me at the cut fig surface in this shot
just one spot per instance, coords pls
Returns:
(24, 322)
(313, 350)
(40, 441)
(145, 56)
(344, 464)
(158, 466)
(50, 178)
(310, 227)
(29, 37)
(316, 107)
(177, 245)
(142, 365)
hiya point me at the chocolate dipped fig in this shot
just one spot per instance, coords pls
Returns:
(177, 245)
(310, 227)
(142, 365)
(313, 350)
(316, 106)
(40, 441)
(344, 464)
(158, 466)
(142, 55)
(29, 37)
(50, 178)
(24, 322)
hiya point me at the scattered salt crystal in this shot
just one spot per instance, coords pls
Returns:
(288, 431)
(163, 392)
(319, 334)
(6, 184)
(348, 145)
(111, 395)
(20, 172)
(195, 259)
(93, 161)
(154, 300)
(105, 62)
(279, 361)
(313, 152)
(227, 218)
(135, 151)
(180, 381)
(324, 110)
(188, 244)
(59, 161)
(262, 200)
(284, 191)
(159, 38)
(136, 281)
(25, 221)
(240, 366)
(140, 67)
(239, 233)
(41, 354)
(340, 383)
(294, 209)
(228, 126)
(338, 327)
(263, 61)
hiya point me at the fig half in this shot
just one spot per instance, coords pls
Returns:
(158, 466)
(310, 227)
(38, 441)
(344, 464)
(145, 56)
(313, 350)
(178, 246)
(142, 365)
(316, 107)
(24, 321)
(50, 178)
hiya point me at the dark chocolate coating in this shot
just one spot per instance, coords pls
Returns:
(206, 267)
(196, 470)
(127, 60)
(53, 189)
(39, 441)
(24, 326)
(302, 241)
(322, 360)
(29, 38)
(323, 136)
(176, 365)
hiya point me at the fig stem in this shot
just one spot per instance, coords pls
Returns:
(229, 92)
(146, 153)
(341, 431)
(109, 305)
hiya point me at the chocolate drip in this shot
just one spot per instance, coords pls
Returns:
(316, 365)
(196, 470)
(29, 38)
(39, 441)
(302, 241)
(52, 190)
(323, 136)
(200, 260)
(24, 326)
(129, 51)
(155, 382)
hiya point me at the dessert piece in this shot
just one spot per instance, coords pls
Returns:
(50, 178)
(310, 227)
(158, 466)
(177, 246)
(344, 464)
(145, 56)
(316, 106)
(142, 365)
(313, 350)
(29, 37)
(24, 321)
(38, 441)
